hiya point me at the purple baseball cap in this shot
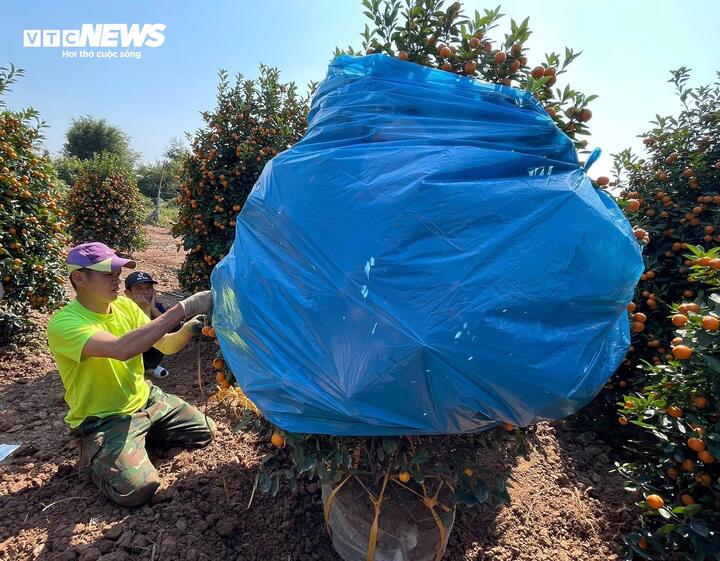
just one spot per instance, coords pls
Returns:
(96, 256)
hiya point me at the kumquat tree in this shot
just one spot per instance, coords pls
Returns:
(668, 385)
(32, 235)
(253, 121)
(446, 38)
(435, 472)
(105, 204)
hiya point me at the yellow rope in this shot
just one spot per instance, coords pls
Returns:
(441, 529)
(372, 540)
(431, 503)
(328, 503)
(372, 497)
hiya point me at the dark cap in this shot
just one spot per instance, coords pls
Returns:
(136, 278)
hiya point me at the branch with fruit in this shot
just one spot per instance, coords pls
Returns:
(679, 405)
(428, 34)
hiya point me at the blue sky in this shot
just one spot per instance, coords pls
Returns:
(628, 47)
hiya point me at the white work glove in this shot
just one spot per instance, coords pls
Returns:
(193, 326)
(199, 303)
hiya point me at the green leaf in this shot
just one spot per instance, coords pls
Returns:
(714, 449)
(698, 251)
(325, 472)
(480, 491)
(666, 529)
(420, 457)
(643, 425)
(298, 455)
(269, 456)
(389, 444)
(699, 527)
(504, 497)
(308, 463)
(712, 362)
(264, 482)
(417, 475)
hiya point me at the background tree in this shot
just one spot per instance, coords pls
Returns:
(31, 223)
(167, 169)
(105, 205)
(88, 136)
(253, 121)
(67, 168)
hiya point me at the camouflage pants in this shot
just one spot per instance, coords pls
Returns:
(112, 450)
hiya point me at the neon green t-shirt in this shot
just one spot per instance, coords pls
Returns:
(97, 387)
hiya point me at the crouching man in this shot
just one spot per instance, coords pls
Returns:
(140, 288)
(98, 340)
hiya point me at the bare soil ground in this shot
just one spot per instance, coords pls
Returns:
(565, 503)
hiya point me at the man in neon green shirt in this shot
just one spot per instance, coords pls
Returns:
(97, 341)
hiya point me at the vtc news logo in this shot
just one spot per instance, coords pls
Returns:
(101, 35)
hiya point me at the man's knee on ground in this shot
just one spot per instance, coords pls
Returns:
(136, 494)
(206, 433)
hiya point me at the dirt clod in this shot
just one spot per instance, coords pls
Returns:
(114, 532)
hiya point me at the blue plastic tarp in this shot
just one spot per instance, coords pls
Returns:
(430, 258)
